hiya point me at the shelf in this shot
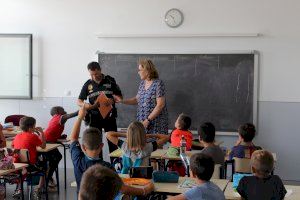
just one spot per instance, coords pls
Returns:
(178, 35)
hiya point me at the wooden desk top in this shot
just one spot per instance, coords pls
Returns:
(48, 148)
(173, 187)
(188, 153)
(230, 194)
(157, 154)
(18, 166)
(13, 133)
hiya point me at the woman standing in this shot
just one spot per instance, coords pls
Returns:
(151, 99)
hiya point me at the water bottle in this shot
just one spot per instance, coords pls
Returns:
(182, 145)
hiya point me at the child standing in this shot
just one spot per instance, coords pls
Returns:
(262, 185)
(244, 147)
(136, 151)
(52, 134)
(182, 126)
(202, 169)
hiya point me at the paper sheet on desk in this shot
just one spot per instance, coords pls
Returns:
(187, 183)
(102, 100)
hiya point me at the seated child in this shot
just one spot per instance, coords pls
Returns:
(2, 138)
(244, 147)
(206, 134)
(57, 123)
(54, 132)
(136, 151)
(202, 169)
(31, 138)
(107, 182)
(182, 126)
(262, 185)
(86, 155)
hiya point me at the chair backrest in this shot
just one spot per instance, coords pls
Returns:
(242, 165)
(24, 156)
(217, 170)
(15, 119)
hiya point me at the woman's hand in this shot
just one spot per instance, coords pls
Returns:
(117, 99)
(146, 123)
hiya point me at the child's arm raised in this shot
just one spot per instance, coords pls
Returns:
(76, 128)
(65, 117)
(161, 138)
(114, 136)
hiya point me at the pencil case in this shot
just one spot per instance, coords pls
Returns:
(165, 177)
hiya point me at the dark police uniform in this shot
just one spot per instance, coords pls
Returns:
(91, 91)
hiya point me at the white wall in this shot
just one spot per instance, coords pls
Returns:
(64, 33)
(65, 36)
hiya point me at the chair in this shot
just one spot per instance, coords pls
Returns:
(218, 171)
(15, 119)
(242, 165)
(24, 158)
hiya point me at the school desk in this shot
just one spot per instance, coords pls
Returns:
(230, 194)
(172, 188)
(157, 154)
(13, 133)
(18, 168)
(65, 143)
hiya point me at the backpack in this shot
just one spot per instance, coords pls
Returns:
(127, 164)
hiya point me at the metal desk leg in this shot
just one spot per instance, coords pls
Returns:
(21, 182)
(65, 162)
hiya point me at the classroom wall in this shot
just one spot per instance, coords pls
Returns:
(64, 36)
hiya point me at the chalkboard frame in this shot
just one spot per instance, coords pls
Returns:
(255, 78)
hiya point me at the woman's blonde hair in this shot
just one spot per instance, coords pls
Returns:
(136, 136)
(263, 162)
(148, 65)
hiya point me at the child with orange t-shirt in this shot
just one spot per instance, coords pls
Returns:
(182, 125)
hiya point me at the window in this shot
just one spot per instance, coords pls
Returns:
(15, 66)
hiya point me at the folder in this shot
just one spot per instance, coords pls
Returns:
(102, 100)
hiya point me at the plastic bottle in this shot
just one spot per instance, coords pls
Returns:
(182, 145)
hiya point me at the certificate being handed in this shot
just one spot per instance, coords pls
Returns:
(105, 106)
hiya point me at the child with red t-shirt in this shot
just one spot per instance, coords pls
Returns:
(57, 123)
(54, 132)
(182, 125)
(31, 138)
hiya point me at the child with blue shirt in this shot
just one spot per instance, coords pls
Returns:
(202, 169)
(244, 146)
(136, 150)
(87, 154)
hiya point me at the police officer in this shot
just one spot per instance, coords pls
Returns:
(91, 90)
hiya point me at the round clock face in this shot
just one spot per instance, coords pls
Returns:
(174, 17)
